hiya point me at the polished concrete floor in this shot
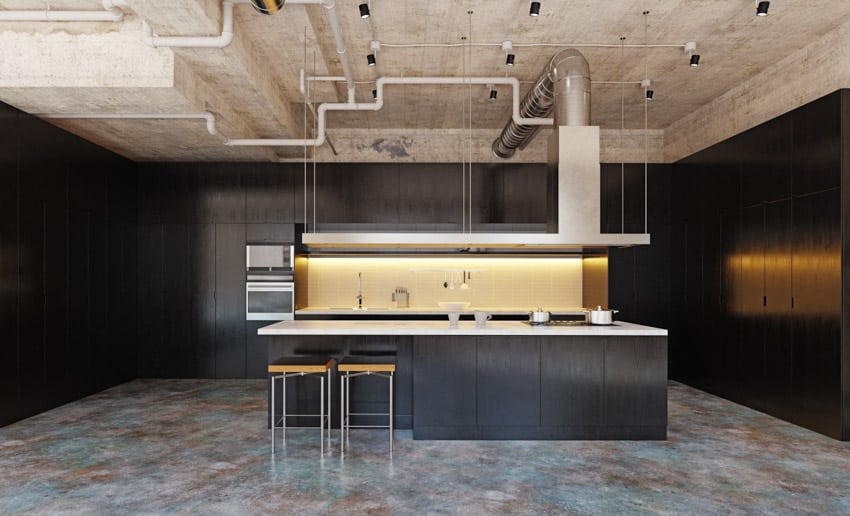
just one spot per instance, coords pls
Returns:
(201, 446)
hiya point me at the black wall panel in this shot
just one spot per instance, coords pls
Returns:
(9, 278)
(775, 342)
(57, 238)
(230, 350)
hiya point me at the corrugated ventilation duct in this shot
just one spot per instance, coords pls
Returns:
(565, 85)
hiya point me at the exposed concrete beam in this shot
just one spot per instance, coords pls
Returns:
(234, 71)
(451, 146)
(808, 74)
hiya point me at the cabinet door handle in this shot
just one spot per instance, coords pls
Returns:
(792, 301)
(764, 301)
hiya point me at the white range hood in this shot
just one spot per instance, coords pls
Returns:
(574, 152)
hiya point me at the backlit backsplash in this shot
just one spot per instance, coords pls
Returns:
(496, 282)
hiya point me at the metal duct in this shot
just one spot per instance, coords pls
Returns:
(563, 84)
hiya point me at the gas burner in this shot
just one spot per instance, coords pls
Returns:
(558, 323)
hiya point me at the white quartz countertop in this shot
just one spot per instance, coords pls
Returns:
(374, 327)
(420, 310)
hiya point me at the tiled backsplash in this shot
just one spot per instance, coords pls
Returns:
(528, 282)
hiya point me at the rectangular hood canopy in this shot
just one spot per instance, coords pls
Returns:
(574, 217)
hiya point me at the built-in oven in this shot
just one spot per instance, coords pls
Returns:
(270, 300)
(269, 282)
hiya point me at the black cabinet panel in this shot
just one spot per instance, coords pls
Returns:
(636, 381)
(816, 289)
(203, 293)
(150, 299)
(359, 194)
(9, 285)
(230, 300)
(508, 378)
(776, 388)
(765, 155)
(178, 354)
(572, 381)
(270, 191)
(444, 382)
(817, 144)
(750, 290)
(220, 196)
(523, 198)
(273, 233)
(430, 194)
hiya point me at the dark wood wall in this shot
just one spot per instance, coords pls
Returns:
(195, 218)
(638, 277)
(756, 267)
(67, 267)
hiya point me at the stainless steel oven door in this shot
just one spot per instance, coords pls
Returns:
(269, 301)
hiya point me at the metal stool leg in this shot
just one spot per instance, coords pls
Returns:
(322, 415)
(283, 414)
(342, 414)
(329, 410)
(271, 412)
(391, 414)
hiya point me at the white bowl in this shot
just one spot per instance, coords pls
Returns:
(453, 306)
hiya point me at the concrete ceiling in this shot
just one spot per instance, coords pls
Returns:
(252, 86)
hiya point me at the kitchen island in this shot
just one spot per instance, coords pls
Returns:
(507, 380)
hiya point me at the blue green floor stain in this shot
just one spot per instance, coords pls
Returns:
(202, 447)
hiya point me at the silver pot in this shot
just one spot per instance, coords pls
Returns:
(539, 317)
(600, 316)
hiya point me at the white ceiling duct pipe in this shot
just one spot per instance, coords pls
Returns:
(379, 103)
(209, 117)
(111, 13)
(220, 41)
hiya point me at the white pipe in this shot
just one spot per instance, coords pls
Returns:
(379, 103)
(209, 117)
(220, 41)
(111, 13)
(320, 130)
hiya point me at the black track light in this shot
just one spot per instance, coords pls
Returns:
(510, 60)
(762, 8)
(374, 94)
(535, 9)
(694, 59)
(649, 94)
(364, 10)
(371, 59)
(493, 95)
(267, 6)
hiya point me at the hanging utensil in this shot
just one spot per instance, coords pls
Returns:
(445, 280)
(452, 281)
(463, 285)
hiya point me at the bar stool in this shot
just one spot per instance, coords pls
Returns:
(351, 367)
(292, 366)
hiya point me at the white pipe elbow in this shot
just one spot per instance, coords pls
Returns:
(210, 118)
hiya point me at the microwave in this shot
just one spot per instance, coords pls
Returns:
(270, 258)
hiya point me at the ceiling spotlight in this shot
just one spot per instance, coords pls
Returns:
(694, 59)
(535, 9)
(649, 94)
(493, 95)
(510, 60)
(364, 10)
(762, 8)
(374, 94)
(267, 6)
(370, 59)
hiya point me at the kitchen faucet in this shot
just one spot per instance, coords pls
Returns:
(360, 291)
